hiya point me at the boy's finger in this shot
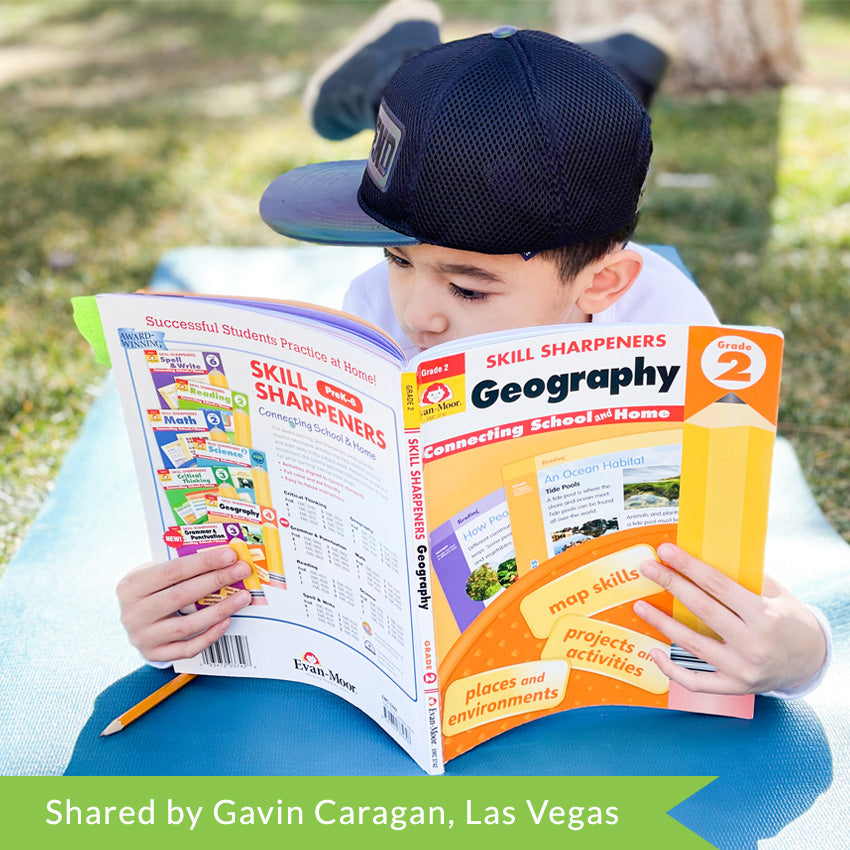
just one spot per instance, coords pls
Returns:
(191, 647)
(702, 646)
(172, 599)
(694, 680)
(141, 613)
(733, 595)
(183, 629)
(149, 579)
(726, 590)
(702, 605)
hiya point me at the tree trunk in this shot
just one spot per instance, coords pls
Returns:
(727, 44)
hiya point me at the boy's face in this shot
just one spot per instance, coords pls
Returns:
(442, 294)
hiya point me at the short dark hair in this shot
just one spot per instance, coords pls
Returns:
(571, 260)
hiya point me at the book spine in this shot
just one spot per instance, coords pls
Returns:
(419, 557)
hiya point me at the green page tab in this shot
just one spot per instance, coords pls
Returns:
(87, 319)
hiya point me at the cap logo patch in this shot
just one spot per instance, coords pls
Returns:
(388, 135)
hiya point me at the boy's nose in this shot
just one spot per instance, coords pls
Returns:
(423, 313)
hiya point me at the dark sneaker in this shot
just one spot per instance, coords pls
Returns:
(342, 97)
(639, 50)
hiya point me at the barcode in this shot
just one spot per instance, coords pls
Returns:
(684, 659)
(398, 724)
(228, 651)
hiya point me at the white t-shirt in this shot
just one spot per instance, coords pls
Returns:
(661, 293)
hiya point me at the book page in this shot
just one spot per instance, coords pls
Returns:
(286, 440)
(554, 465)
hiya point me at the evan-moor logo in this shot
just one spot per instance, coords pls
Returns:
(309, 663)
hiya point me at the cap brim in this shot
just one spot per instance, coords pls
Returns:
(318, 203)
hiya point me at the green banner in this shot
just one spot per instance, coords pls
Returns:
(122, 813)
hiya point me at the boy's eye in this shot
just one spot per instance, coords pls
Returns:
(467, 294)
(395, 260)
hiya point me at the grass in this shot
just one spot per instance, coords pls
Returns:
(128, 128)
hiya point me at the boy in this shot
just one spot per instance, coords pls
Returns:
(504, 183)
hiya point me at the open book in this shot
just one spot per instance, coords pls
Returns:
(450, 544)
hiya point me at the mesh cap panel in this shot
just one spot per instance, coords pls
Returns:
(513, 144)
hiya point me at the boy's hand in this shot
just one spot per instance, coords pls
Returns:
(768, 643)
(151, 595)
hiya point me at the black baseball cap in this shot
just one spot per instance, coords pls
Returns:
(515, 141)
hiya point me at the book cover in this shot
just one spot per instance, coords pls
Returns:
(451, 544)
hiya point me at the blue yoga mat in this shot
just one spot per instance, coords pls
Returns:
(770, 770)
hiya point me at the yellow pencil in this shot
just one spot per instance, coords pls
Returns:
(262, 491)
(241, 420)
(227, 491)
(274, 558)
(217, 378)
(727, 449)
(148, 703)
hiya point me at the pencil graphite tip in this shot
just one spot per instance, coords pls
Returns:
(112, 728)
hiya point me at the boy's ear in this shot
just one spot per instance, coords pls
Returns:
(608, 279)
